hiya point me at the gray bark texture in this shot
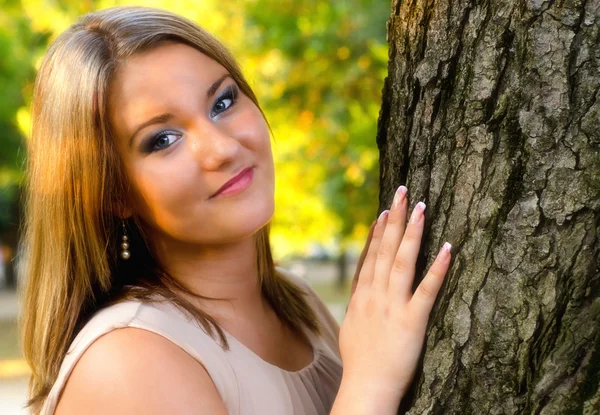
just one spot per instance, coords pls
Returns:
(491, 116)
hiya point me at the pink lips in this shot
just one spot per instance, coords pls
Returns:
(236, 184)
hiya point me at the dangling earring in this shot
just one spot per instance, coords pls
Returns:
(125, 254)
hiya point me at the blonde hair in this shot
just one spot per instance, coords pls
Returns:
(75, 179)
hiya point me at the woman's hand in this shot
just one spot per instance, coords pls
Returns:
(382, 334)
(361, 259)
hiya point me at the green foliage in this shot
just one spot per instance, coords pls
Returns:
(18, 44)
(15, 71)
(332, 59)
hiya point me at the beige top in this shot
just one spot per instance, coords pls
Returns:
(247, 384)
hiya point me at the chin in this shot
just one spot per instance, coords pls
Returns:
(256, 218)
(247, 220)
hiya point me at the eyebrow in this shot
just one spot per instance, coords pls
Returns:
(214, 87)
(163, 118)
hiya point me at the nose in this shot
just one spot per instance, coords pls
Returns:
(214, 146)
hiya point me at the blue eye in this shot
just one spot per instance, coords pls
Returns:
(166, 139)
(163, 140)
(225, 100)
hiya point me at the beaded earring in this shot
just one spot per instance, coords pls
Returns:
(125, 254)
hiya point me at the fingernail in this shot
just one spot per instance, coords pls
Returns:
(417, 213)
(444, 256)
(447, 247)
(399, 196)
(382, 216)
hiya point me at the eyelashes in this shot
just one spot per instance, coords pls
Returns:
(159, 138)
(228, 98)
(230, 93)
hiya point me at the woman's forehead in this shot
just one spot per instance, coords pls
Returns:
(159, 80)
(168, 65)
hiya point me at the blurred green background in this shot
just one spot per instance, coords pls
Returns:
(317, 68)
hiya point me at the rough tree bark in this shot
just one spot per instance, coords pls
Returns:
(491, 115)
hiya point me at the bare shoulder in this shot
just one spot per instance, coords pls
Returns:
(132, 370)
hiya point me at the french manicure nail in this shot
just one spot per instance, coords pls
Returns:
(382, 216)
(445, 255)
(447, 247)
(417, 212)
(399, 196)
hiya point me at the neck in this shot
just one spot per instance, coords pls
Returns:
(227, 271)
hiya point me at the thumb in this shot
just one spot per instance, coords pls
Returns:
(361, 259)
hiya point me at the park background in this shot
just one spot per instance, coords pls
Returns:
(317, 68)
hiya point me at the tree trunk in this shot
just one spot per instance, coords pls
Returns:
(491, 115)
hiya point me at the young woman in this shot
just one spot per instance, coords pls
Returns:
(150, 283)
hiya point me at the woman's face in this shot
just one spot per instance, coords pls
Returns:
(183, 129)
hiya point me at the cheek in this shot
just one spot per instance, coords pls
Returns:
(264, 160)
(164, 193)
(249, 126)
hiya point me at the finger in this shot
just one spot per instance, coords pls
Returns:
(427, 291)
(403, 268)
(390, 241)
(361, 259)
(365, 277)
(404, 212)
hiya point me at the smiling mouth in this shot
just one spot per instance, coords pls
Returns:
(236, 184)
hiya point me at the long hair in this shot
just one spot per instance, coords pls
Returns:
(75, 180)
